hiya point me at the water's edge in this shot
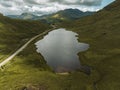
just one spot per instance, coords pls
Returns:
(69, 44)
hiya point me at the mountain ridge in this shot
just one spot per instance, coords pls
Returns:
(102, 32)
(67, 14)
(28, 70)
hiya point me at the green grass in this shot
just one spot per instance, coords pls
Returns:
(29, 69)
(14, 33)
(102, 32)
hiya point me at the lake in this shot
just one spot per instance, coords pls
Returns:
(60, 48)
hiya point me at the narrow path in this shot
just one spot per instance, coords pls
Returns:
(21, 49)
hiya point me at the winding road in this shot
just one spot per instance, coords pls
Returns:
(21, 49)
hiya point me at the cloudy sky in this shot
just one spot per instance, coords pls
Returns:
(39, 7)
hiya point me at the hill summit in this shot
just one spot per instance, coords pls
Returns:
(67, 14)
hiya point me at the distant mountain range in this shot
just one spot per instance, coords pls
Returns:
(67, 14)
(24, 16)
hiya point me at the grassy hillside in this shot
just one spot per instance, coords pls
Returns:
(102, 32)
(65, 15)
(60, 16)
(13, 33)
(71, 14)
(29, 71)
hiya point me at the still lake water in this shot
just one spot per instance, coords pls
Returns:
(60, 48)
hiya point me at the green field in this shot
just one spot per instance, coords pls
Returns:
(102, 32)
(29, 69)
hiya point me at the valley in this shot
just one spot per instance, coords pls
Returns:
(28, 70)
(60, 16)
(20, 49)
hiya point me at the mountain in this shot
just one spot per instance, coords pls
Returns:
(28, 71)
(13, 31)
(102, 32)
(24, 16)
(67, 14)
(70, 14)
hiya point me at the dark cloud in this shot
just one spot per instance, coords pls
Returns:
(91, 2)
(77, 2)
(46, 6)
(68, 2)
(30, 1)
(6, 5)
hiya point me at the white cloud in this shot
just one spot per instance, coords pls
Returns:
(9, 7)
